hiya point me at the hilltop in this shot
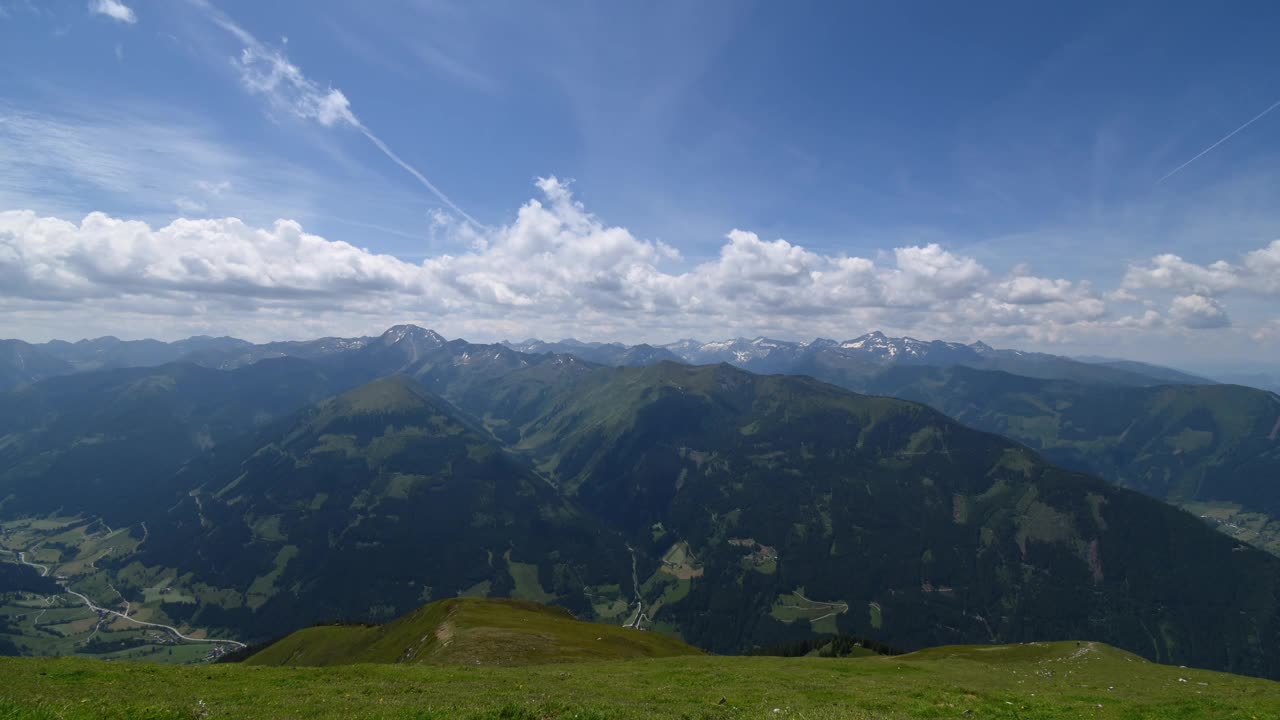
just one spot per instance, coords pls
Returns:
(1041, 681)
(470, 631)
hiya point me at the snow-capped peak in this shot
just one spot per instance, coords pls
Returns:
(398, 333)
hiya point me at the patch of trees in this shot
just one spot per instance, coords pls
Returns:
(99, 646)
(827, 646)
(23, 578)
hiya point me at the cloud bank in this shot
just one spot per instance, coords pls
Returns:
(557, 268)
(1257, 272)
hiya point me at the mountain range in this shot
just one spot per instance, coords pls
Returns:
(22, 362)
(866, 355)
(1204, 461)
(361, 478)
(1206, 446)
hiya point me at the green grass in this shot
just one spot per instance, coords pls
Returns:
(525, 577)
(66, 625)
(789, 607)
(1254, 528)
(265, 585)
(1021, 682)
(470, 631)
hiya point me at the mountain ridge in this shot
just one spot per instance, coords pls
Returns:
(22, 362)
(729, 507)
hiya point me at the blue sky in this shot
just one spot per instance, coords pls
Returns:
(1025, 144)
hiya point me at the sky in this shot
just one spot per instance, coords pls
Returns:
(1090, 178)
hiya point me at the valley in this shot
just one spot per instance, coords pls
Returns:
(1255, 528)
(67, 620)
(731, 509)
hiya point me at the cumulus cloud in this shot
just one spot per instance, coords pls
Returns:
(927, 273)
(1198, 312)
(1147, 321)
(52, 259)
(1264, 266)
(1257, 271)
(554, 265)
(113, 9)
(1026, 290)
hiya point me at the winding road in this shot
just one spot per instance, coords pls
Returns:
(44, 569)
(105, 611)
(636, 619)
(44, 572)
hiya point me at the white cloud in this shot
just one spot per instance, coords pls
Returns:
(554, 266)
(1147, 321)
(270, 74)
(1198, 312)
(1026, 290)
(1258, 271)
(47, 258)
(1121, 295)
(928, 273)
(747, 262)
(113, 9)
(213, 188)
(188, 206)
(1264, 267)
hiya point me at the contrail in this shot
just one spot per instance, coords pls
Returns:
(309, 100)
(1225, 138)
(414, 172)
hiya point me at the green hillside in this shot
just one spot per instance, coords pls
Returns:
(769, 507)
(1041, 681)
(470, 631)
(106, 443)
(1212, 448)
(732, 510)
(368, 506)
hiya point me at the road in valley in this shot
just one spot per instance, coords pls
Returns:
(44, 572)
(105, 611)
(44, 569)
(636, 619)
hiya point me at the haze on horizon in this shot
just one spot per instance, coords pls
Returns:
(1093, 179)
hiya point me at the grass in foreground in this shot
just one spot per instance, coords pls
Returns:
(1022, 682)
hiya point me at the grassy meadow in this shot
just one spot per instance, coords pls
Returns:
(1019, 682)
